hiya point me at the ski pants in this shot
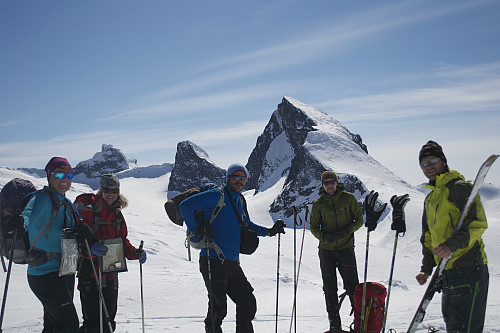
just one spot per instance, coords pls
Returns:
(89, 298)
(56, 295)
(226, 277)
(345, 261)
(463, 304)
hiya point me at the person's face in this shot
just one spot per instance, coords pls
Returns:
(110, 194)
(432, 166)
(59, 179)
(237, 181)
(330, 185)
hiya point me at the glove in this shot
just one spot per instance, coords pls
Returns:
(141, 255)
(333, 236)
(16, 223)
(398, 214)
(84, 233)
(277, 228)
(99, 249)
(372, 213)
(203, 231)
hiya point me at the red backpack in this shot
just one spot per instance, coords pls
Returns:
(374, 307)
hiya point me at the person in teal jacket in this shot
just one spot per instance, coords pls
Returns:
(221, 268)
(54, 292)
(465, 277)
(335, 216)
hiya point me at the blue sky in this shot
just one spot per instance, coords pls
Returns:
(145, 75)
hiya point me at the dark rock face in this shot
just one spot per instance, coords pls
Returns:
(280, 152)
(108, 160)
(191, 163)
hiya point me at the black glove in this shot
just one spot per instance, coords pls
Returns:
(16, 223)
(373, 213)
(83, 232)
(333, 236)
(141, 255)
(203, 231)
(277, 228)
(398, 214)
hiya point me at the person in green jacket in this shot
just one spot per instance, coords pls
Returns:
(466, 277)
(335, 216)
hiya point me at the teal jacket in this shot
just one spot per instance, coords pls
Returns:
(335, 213)
(36, 214)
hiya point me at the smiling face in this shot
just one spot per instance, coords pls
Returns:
(110, 194)
(237, 181)
(61, 185)
(432, 166)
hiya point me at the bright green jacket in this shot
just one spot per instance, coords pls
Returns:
(442, 209)
(335, 213)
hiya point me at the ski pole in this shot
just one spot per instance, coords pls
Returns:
(3, 262)
(210, 292)
(187, 243)
(277, 282)
(363, 300)
(7, 279)
(99, 288)
(293, 320)
(390, 282)
(142, 293)
(294, 308)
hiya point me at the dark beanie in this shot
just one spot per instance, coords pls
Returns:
(431, 148)
(54, 163)
(327, 175)
(109, 180)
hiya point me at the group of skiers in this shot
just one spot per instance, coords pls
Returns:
(335, 216)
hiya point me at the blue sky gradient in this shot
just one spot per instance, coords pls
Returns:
(144, 75)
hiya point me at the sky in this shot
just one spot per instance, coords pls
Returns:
(145, 75)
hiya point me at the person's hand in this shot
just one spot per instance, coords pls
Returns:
(99, 249)
(372, 212)
(422, 278)
(84, 233)
(203, 231)
(442, 251)
(16, 223)
(141, 255)
(398, 214)
(277, 228)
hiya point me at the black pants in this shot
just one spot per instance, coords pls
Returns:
(56, 295)
(463, 303)
(227, 278)
(345, 261)
(89, 298)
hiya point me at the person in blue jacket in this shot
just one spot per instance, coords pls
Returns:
(54, 292)
(220, 268)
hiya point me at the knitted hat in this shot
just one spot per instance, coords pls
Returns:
(327, 175)
(431, 148)
(236, 167)
(109, 180)
(54, 163)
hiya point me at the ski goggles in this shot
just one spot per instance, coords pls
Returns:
(432, 161)
(239, 178)
(61, 175)
(329, 182)
(111, 190)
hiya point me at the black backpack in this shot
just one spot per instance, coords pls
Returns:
(14, 197)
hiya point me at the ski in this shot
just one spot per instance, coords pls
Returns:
(436, 280)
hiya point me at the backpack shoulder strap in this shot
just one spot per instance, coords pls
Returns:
(217, 207)
(118, 222)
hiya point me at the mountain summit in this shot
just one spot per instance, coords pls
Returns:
(298, 144)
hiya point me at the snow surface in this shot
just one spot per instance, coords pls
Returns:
(175, 298)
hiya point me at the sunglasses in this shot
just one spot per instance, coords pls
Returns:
(239, 178)
(329, 182)
(111, 190)
(432, 161)
(60, 175)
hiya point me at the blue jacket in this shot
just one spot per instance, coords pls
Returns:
(226, 227)
(37, 213)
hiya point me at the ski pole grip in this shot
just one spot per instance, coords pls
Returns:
(142, 244)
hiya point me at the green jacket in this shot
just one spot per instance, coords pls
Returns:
(442, 209)
(335, 213)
